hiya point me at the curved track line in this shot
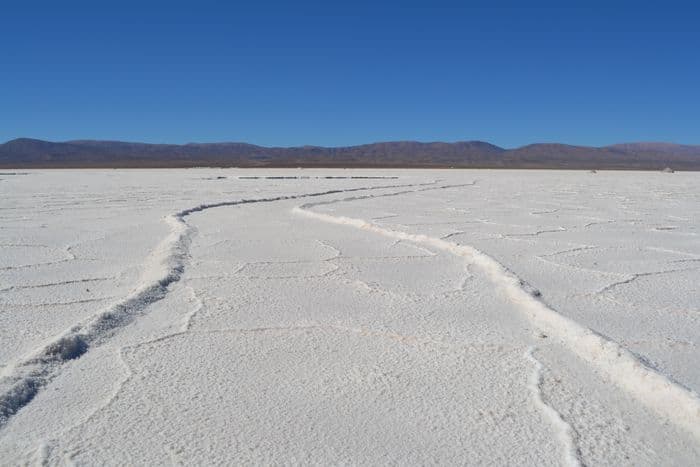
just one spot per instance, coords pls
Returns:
(21, 381)
(655, 390)
(564, 431)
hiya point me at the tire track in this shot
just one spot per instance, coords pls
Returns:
(22, 380)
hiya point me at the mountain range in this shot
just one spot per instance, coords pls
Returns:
(34, 153)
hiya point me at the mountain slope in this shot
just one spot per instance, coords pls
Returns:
(28, 153)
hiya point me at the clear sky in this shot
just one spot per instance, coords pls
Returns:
(349, 72)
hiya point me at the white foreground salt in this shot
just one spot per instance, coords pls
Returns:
(349, 316)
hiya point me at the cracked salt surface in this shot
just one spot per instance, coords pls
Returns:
(242, 331)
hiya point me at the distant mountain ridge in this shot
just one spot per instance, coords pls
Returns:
(34, 153)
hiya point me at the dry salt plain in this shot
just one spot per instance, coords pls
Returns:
(349, 317)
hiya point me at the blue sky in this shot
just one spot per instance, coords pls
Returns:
(341, 73)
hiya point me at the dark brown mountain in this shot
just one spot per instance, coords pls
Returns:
(32, 153)
(658, 148)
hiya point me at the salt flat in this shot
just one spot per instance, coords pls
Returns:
(214, 316)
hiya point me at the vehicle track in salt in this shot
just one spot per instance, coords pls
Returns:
(22, 380)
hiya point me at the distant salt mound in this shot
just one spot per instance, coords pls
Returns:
(668, 170)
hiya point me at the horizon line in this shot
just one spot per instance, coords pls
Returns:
(191, 143)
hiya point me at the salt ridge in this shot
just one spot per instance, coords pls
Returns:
(655, 390)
